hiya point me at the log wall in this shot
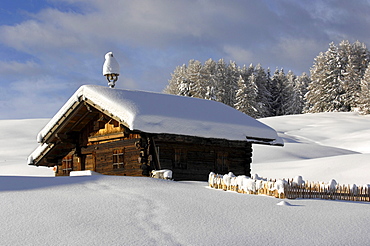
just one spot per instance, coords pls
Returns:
(104, 157)
(192, 158)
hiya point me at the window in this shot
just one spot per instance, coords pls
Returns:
(180, 159)
(67, 164)
(118, 159)
(222, 162)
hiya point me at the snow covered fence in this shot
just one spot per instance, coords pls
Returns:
(331, 190)
(247, 185)
(290, 188)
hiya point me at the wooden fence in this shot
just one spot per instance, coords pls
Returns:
(291, 190)
(319, 191)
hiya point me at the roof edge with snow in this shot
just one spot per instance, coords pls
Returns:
(163, 113)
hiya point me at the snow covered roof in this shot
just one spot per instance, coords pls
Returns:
(163, 113)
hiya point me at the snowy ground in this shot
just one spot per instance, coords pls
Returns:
(319, 147)
(106, 210)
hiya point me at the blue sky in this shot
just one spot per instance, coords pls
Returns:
(48, 48)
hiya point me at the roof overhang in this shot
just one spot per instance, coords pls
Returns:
(266, 141)
(59, 139)
(74, 119)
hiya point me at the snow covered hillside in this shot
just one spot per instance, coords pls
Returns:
(319, 147)
(106, 210)
(18, 140)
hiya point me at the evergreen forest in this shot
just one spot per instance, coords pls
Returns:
(339, 81)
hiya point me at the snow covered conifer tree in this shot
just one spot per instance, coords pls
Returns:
(209, 77)
(281, 91)
(231, 83)
(301, 84)
(293, 104)
(220, 78)
(284, 93)
(336, 76)
(316, 87)
(245, 99)
(275, 90)
(364, 98)
(347, 74)
(263, 99)
(196, 79)
(223, 83)
(245, 71)
(178, 83)
(326, 89)
(333, 90)
(270, 89)
(357, 60)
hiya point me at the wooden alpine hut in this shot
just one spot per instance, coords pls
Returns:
(125, 132)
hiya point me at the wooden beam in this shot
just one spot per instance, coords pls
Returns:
(81, 118)
(106, 137)
(62, 122)
(88, 101)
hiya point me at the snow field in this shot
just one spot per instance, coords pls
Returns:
(107, 210)
(314, 148)
(97, 210)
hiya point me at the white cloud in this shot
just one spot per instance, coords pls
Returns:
(297, 51)
(238, 54)
(14, 68)
(126, 83)
(33, 97)
(297, 48)
(151, 37)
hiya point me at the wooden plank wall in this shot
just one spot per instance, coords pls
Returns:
(201, 155)
(104, 157)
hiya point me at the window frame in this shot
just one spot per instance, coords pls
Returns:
(180, 159)
(67, 164)
(118, 161)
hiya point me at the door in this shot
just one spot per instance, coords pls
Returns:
(90, 162)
